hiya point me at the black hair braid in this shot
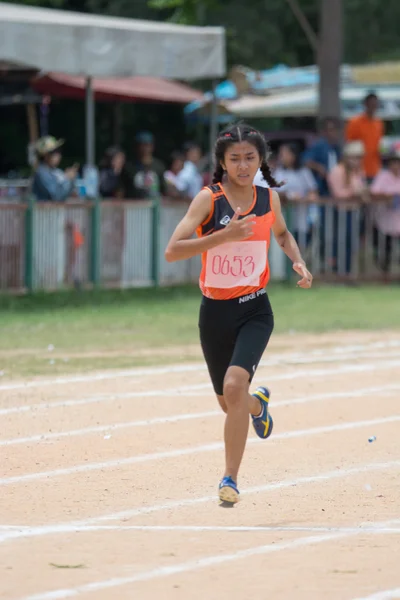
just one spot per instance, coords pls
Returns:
(267, 175)
(218, 173)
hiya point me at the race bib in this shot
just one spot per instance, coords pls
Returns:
(236, 264)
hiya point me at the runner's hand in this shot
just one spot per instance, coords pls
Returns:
(306, 277)
(239, 230)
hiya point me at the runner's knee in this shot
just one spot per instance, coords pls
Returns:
(235, 388)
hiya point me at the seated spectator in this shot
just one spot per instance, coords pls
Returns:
(299, 186)
(115, 181)
(190, 180)
(387, 213)
(174, 186)
(146, 171)
(50, 182)
(348, 186)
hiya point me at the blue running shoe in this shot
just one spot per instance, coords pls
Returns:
(228, 491)
(263, 424)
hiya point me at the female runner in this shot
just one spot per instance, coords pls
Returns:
(233, 222)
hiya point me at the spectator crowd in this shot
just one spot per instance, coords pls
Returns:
(355, 176)
(140, 177)
(352, 173)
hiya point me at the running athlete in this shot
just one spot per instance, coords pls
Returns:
(233, 222)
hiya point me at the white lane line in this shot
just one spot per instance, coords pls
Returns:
(45, 437)
(385, 595)
(71, 527)
(200, 563)
(188, 368)
(105, 398)
(359, 368)
(229, 529)
(131, 460)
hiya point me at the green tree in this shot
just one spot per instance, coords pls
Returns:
(264, 32)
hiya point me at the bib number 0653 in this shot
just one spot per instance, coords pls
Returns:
(237, 266)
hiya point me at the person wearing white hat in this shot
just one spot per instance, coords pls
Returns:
(347, 179)
(50, 182)
(348, 186)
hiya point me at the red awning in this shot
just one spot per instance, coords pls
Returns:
(129, 89)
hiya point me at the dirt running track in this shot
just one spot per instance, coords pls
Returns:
(108, 482)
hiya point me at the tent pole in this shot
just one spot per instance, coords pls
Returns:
(117, 124)
(213, 124)
(90, 123)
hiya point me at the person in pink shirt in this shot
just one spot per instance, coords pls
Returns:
(347, 185)
(347, 180)
(386, 185)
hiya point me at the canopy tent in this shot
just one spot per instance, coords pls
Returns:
(98, 46)
(304, 102)
(128, 89)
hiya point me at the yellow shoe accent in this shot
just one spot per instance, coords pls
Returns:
(263, 396)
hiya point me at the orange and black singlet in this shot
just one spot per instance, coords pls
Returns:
(236, 269)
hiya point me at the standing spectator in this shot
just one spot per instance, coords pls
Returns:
(147, 172)
(189, 179)
(115, 181)
(299, 187)
(369, 130)
(348, 185)
(50, 182)
(387, 212)
(176, 163)
(324, 154)
(321, 158)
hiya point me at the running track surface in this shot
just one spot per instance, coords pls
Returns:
(116, 476)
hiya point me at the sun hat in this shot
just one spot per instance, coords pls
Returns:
(47, 144)
(354, 149)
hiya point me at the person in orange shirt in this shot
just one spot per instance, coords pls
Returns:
(234, 220)
(369, 130)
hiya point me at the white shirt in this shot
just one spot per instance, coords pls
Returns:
(173, 180)
(299, 182)
(259, 180)
(189, 180)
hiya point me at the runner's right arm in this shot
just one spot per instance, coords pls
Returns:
(183, 246)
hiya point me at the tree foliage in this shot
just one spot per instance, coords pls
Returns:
(265, 32)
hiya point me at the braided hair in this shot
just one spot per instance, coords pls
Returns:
(243, 133)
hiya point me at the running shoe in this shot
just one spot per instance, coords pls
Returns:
(228, 491)
(263, 424)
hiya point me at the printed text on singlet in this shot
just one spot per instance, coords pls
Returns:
(236, 264)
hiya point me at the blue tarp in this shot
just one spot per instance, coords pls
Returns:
(280, 76)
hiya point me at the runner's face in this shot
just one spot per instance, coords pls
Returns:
(242, 162)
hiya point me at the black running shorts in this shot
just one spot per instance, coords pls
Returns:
(234, 333)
